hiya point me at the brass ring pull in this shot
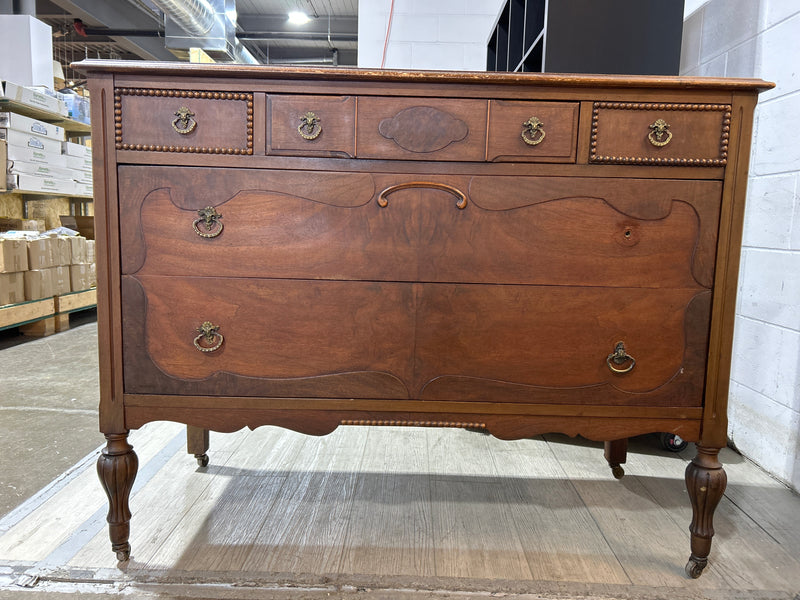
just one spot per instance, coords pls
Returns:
(210, 219)
(311, 124)
(210, 333)
(184, 123)
(461, 197)
(532, 128)
(619, 357)
(657, 132)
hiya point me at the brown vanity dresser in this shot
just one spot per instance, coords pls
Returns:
(311, 248)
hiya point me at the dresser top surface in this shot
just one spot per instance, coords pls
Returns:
(156, 69)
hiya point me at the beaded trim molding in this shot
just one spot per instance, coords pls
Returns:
(240, 96)
(414, 423)
(721, 161)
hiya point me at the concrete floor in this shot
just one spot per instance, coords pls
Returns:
(48, 406)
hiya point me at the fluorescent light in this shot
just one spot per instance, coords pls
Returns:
(297, 17)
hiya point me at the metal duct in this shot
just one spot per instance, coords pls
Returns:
(242, 54)
(193, 16)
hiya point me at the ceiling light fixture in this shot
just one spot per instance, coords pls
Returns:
(297, 17)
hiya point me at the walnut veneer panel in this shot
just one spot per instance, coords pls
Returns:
(526, 253)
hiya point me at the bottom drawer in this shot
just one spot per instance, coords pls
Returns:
(459, 342)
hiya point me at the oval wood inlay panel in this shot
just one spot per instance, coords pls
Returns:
(423, 129)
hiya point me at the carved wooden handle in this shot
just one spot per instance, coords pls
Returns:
(461, 197)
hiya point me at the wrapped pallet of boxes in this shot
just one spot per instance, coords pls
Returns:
(80, 270)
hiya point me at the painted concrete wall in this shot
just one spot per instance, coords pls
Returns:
(761, 38)
(426, 34)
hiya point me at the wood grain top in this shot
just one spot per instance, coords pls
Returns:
(387, 75)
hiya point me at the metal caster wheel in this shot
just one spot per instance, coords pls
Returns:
(695, 566)
(123, 554)
(202, 460)
(673, 442)
(617, 471)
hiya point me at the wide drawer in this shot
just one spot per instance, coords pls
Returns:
(660, 134)
(206, 122)
(311, 125)
(389, 227)
(298, 338)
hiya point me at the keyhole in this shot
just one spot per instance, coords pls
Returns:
(627, 234)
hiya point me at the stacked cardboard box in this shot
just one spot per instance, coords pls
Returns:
(34, 267)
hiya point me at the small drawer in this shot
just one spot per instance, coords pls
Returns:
(312, 125)
(206, 122)
(532, 131)
(421, 129)
(660, 134)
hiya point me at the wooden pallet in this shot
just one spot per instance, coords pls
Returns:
(43, 317)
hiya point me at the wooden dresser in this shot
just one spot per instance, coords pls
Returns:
(312, 248)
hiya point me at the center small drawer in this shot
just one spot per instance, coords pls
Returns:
(312, 125)
(204, 122)
(523, 131)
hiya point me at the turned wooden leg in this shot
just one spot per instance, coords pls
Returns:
(117, 468)
(616, 453)
(197, 444)
(705, 481)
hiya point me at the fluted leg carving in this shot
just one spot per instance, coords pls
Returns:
(705, 481)
(117, 468)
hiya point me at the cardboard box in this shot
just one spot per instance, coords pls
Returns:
(85, 190)
(79, 163)
(12, 288)
(77, 150)
(78, 250)
(92, 275)
(41, 253)
(80, 277)
(61, 280)
(26, 50)
(78, 108)
(25, 124)
(13, 256)
(7, 224)
(32, 183)
(29, 140)
(39, 284)
(32, 98)
(41, 170)
(34, 155)
(84, 177)
(91, 257)
(63, 251)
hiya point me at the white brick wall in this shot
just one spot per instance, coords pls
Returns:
(426, 34)
(761, 38)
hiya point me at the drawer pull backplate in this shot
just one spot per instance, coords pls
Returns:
(657, 131)
(210, 219)
(213, 339)
(184, 122)
(310, 126)
(619, 357)
(533, 131)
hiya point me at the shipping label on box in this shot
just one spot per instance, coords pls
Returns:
(41, 253)
(27, 140)
(39, 284)
(30, 97)
(25, 124)
(34, 155)
(79, 163)
(78, 247)
(12, 288)
(79, 276)
(61, 280)
(78, 150)
(13, 255)
(40, 170)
